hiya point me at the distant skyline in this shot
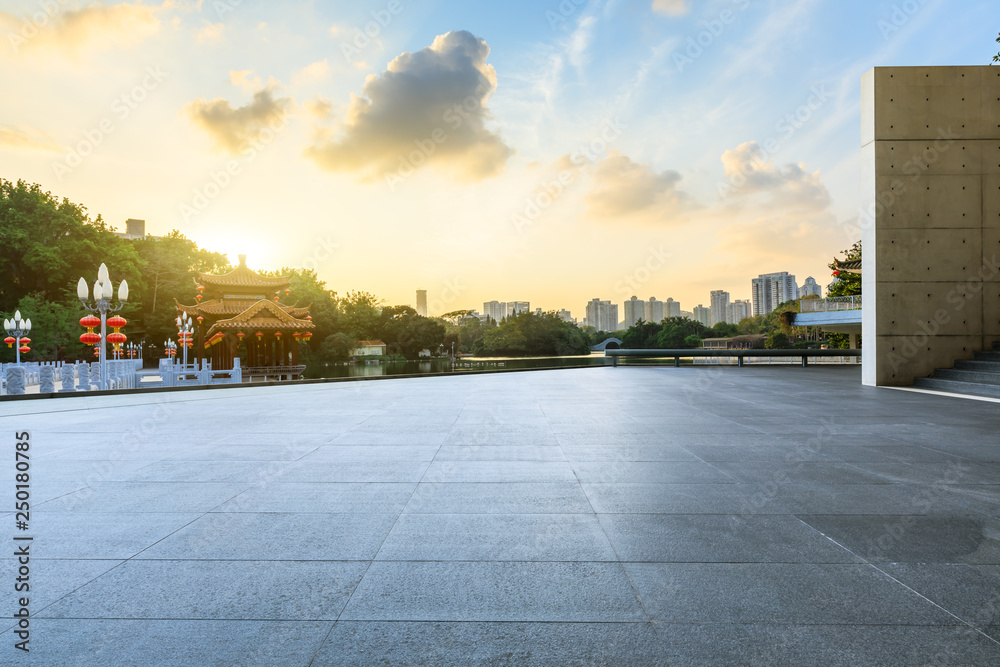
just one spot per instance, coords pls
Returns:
(553, 152)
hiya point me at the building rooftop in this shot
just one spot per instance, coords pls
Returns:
(623, 515)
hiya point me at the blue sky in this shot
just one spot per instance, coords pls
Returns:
(608, 148)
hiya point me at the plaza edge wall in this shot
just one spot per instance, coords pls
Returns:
(930, 150)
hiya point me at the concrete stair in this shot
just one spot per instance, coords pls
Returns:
(977, 377)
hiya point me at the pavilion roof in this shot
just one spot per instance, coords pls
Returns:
(847, 266)
(243, 277)
(262, 315)
(216, 307)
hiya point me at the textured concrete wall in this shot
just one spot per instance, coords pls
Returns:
(931, 242)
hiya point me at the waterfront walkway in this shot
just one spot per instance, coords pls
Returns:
(718, 516)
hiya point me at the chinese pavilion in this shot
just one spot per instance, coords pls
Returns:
(240, 314)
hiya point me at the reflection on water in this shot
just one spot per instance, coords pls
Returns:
(445, 365)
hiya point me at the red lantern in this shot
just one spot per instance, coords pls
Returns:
(117, 322)
(117, 339)
(287, 292)
(201, 288)
(23, 349)
(276, 298)
(25, 341)
(97, 351)
(10, 341)
(259, 335)
(277, 334)
(90, 321)
(836, 273)
(240, 335)
(200, 319)
(90, 338)
(307, 335)
(296, 336)
(198, 298)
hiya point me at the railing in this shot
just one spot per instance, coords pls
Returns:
(830, 304)
(277, 372)
(740, 355)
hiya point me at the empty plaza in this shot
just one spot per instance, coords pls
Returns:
(630, 515)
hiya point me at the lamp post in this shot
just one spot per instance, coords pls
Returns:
(18, 328)
(184, 328)
(103, 292)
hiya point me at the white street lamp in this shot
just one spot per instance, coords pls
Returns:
(103, 293)
(17, 328)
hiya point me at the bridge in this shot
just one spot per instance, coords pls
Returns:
(838, 314)
(609, 344)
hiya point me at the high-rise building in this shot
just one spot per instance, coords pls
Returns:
(810, 288)
(602, 315)
(703, 315)
(720, 302)
(635, 310)
(422, 302)
(770, 290)
(565, 315)
(494, 310)
(738, 310)
(672, 308)
(512, 308)
(654, 310)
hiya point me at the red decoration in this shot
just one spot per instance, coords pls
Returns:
(10, 341)
(201, 288)
(198, 298)
(836, 273)
(277, 334)
(24, 348)
(200, 319)
(259, 335)
(276, 298)
(287, 292)
(25, 341)
(240, 335)
(117, 338)
(90, 338)
(117, 322)
(90, 321)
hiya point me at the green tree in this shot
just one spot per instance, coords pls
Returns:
(528, 334)
(336, 347)
(996, 58)
(846, 284)
(692, 341)
(360, 317)
(777, 341)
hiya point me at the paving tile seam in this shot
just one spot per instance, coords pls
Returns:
(885, 574)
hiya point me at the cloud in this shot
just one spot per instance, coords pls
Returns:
(211, 33)
(623, 188)
(95, 25)
(16, 137)
(245, 79)
(749, 173)
(427, 108)
(671, 7)
(316, 71)
(231, 129)
(319, 108)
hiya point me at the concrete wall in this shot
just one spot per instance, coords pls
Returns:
(930, 140)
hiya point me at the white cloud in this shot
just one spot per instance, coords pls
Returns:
(30, 138)
(431, 104)
(232, 128)
(211, 33)
(627, 190)
(311, 73)
(749, 173)
(671, 7)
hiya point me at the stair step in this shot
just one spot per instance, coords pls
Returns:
(988, 356)
(958, 387)
(978, 365)
(967, 375)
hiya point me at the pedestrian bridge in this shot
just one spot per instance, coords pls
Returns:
(609, 344)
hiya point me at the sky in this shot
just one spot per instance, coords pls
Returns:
(543, 151)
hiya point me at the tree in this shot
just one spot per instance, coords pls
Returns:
(360, 315)
(336, 347)
(996, 58)
(693, 341)
(777, 341)
(528, 334)
(846, 284)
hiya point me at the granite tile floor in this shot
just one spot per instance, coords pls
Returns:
(619, 516)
